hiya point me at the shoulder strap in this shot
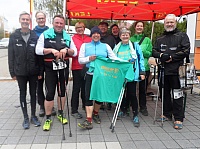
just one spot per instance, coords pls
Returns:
(141, 40)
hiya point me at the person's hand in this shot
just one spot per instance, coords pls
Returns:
(39, 77)
(164, 57)
(63, 53)
(169, 60)
(142, 77)
(93, 57)
(14, 78)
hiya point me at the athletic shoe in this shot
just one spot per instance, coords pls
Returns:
(77, 115)
(26, 123)
(109, 106)
(53, 113)
(144, 112)
(121, 114)
(136, 121)
(35, 121)
(85, 125)
(41, 113)
(96, 118)
(164, 118)
(47, 125)
(63, 120)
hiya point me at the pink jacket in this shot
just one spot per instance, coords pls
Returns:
(78, 41)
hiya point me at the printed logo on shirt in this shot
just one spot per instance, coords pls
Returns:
(62, 41)
(173, 48)
(19, 45)
(32, 45)
(51, 41)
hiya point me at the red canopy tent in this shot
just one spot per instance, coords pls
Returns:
(129, 10)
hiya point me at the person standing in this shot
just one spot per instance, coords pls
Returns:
(115, 33)
(171, 48)
(132, 52)
(24, 67)
(40, 17)
(146, 47)
(78, 70)
(56, 45)
(89, 52)
(110, 40)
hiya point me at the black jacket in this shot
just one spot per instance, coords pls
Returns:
(109, 39)
(176, 44)
(22, 59)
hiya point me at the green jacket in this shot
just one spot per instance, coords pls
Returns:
(146, 47)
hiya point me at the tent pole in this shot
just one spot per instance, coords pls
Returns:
(152, 30)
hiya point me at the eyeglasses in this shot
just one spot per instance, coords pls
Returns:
(40, 18)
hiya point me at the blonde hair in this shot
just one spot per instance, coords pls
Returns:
(79, 24)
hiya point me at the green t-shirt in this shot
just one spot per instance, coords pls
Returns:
(124, 52)
(108, 78)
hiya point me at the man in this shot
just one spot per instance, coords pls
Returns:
(115, 33)
(55, 44)
(105, 37)
(110, 40)
(39, 29)
(171, 48)
(23, 65)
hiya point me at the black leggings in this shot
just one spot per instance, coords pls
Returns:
(88, 84)
(51, 82)
(22, 83)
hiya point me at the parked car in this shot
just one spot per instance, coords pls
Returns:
(4, 42)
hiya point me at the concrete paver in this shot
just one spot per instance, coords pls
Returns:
(126, 136)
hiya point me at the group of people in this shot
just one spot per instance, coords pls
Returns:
(43, 54)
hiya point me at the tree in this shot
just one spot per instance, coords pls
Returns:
(51, 7)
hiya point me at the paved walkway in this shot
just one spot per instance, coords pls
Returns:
(126, 136)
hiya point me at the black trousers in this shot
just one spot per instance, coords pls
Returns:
(52, 81)
(40, 92)
(22, 83)
(142, 91)
(78, 85)
(130, 97)
(88, 84)
(172, 106)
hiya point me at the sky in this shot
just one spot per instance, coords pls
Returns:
(11, 9)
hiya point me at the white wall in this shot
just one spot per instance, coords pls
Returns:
(191, 30)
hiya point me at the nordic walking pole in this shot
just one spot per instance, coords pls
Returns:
(70, 132)
(59, 94)
(118, 107)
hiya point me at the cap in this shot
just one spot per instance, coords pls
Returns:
(95, 29)
(103, 23)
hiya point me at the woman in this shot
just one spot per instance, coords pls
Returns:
(88, 53)
(77, 70)
(127, 50)
(146, 46)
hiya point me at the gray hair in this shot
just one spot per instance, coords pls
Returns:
(170, 15)
(124, 30)
(24, 13)
(40, 11)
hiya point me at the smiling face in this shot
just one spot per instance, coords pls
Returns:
(96, 37)
(58, 24)
(139, 28)
(125, 37)
(41, 19)
(103, 28)
(115, 31)
(25, 20)
(170, 23)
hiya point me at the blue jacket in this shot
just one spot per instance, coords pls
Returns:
(98, 49)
